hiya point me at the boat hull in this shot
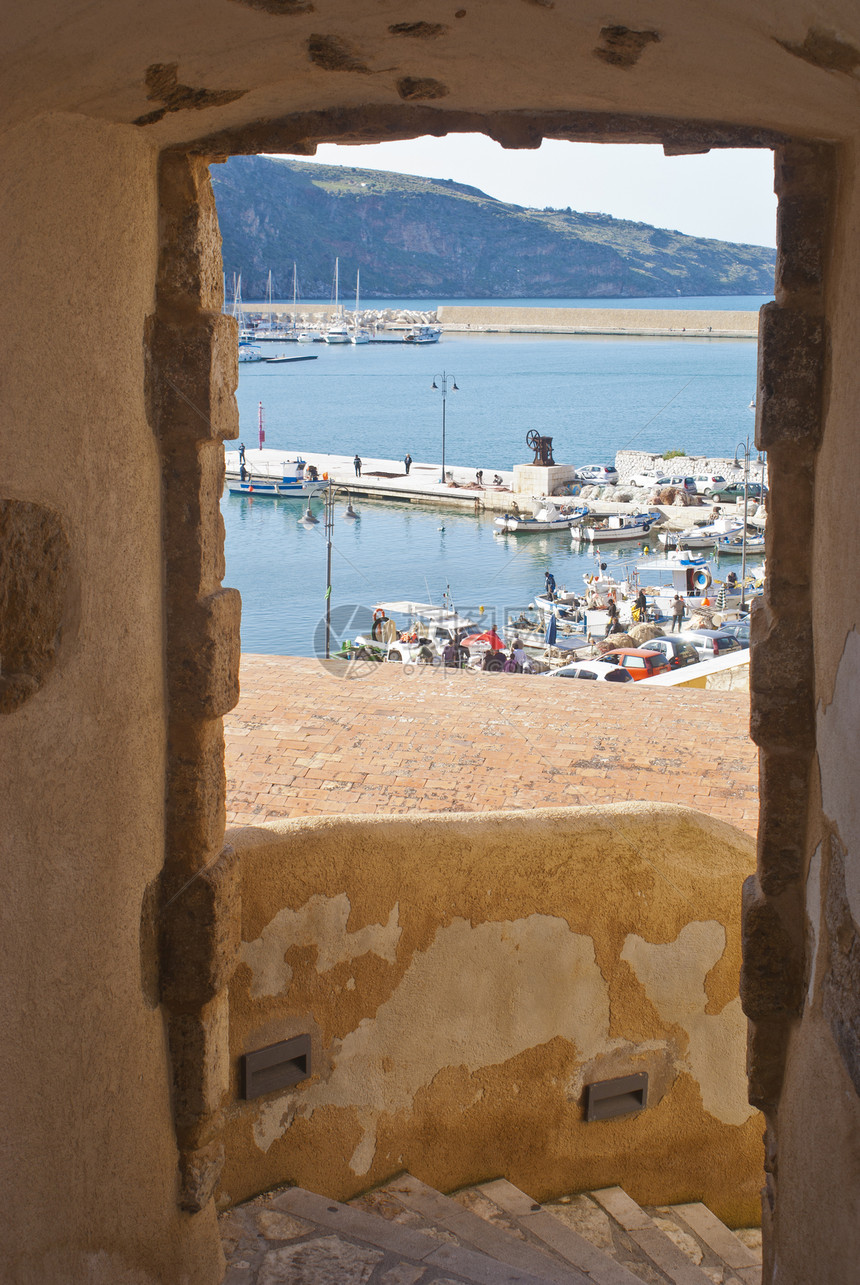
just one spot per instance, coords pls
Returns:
(269, 488)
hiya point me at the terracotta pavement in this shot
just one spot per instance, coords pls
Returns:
(308, 739)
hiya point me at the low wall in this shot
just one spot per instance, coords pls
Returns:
(463, 979)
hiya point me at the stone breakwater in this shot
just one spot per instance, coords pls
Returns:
(600, 321)
(629, 463)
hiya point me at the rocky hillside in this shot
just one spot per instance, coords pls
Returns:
(425, 238)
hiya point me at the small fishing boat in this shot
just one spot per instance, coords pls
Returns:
(617, 528)
(735, 544)
(703, 537)
(546, 518)
(249, 352)
(423, 335)
(287, 487)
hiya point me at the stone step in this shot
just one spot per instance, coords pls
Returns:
(408, 1200)
(667, 1245)
(407, 1233)
(503, 1203)
(298, 1238)
(741, 1263)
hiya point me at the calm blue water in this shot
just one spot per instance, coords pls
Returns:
(592, 395)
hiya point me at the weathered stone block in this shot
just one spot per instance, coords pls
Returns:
(193, 480)
(203, 656)
(767, 1044)
(200, 931)
(781, 659)
(790, 377)
(35, 606)
(190, 274)
(803, 181)
(196, 788)
(784, 781)
(199, 1171)
(200, 1055)
(772, 971)
(195, 359)
(783, 718)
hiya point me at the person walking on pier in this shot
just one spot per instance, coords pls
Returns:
(357, 464)
(407, 463)
(677, 614)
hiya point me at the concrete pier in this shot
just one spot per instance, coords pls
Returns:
(599, 321)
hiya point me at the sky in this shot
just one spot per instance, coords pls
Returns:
(724, 194)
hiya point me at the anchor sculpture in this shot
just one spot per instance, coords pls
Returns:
(542, 447)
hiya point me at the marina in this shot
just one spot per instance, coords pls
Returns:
(593, 395)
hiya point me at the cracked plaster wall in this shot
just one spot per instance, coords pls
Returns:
(463, 980)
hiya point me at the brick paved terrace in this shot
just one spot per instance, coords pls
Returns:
(307, 739)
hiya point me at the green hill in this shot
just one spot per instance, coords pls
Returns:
(426, 238)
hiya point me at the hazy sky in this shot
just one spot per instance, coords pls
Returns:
(725, 194)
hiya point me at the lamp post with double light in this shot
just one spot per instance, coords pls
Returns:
(744, 449)
(308, 520)
(443, 387)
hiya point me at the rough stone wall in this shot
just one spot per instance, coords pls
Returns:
(811, 825)
(462, 979)
(89, 1174)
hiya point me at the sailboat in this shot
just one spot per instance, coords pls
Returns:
(359, 335)
(337, 331)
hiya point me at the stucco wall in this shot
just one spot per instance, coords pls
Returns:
(464, 978)
(89, 1167)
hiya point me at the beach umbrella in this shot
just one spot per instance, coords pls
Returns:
(551, 631)
(489, 637)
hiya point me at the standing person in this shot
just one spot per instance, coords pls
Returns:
(479, 477)
(678, 608)
(612, 626)
(241, 452)
(549, 581)
(642, 605)
(357, 464)
(407, 463)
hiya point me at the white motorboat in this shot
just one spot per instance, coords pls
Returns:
(424, 639)
(617, 528)
(703, 537)
(249, 352)
(546, 518)
(423, 335)
(690, 576)
(755, 544)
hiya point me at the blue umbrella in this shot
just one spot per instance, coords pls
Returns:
(551, 631)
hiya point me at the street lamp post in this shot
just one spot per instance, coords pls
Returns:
(444, 377)
(328, 528)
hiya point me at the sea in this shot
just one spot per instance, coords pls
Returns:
(594, 395)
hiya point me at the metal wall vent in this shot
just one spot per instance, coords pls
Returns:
(276, 1067)
(623, 1096)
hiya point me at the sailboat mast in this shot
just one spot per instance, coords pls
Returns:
(294, 294)
(260, 429)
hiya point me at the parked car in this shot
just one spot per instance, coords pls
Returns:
(710, 643)
(677, 653)
(649, 479)
(739, 629)
(637, 661)
(706, 483)
(593, 669)
(735, 491)
(597, 474)
(683, 484)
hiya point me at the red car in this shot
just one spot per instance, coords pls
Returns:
(638, 662)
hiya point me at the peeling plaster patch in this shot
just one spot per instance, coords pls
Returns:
(813, 915)
(273, 1120)
(475, 998)
(674, 979)
(826, 50)
(164, 87)
(838, 740)
(333, 54)
(621, 47)
(418, 30)
(413, 87)
(321, 922)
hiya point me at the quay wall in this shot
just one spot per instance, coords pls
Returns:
(600, 321)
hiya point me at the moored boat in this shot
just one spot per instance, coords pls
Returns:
(546, 518)
(617, 528)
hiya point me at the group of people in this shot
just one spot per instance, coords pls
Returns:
(493, 661)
